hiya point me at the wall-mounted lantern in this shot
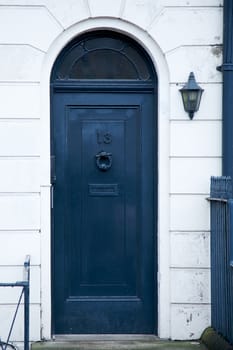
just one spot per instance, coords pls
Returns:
(191, 95)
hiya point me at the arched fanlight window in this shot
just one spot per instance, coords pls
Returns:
(103, 55)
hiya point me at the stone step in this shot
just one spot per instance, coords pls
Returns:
(137, 344)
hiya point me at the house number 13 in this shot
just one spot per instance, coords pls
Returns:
(103, 137)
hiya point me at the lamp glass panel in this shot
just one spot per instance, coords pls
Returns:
(193, 95)
(199, 98)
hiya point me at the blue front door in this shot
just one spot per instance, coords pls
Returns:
(103, 93)
(104, 213)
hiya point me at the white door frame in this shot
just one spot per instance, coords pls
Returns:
(158, 59)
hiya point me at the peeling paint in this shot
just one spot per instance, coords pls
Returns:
(216, 51)
(189, 319)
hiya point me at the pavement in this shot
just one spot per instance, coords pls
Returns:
(150, 344)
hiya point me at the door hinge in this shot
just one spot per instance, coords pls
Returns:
(53, 169)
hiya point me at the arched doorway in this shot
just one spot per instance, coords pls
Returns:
(104, 147)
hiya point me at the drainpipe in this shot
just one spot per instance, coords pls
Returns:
(227, 70)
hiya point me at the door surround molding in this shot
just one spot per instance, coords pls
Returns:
(160, 64)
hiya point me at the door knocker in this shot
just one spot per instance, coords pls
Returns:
(104, 160)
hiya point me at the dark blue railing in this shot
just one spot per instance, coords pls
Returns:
(25, 292)
(222, 256)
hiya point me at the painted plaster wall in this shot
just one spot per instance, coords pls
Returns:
(189, 34)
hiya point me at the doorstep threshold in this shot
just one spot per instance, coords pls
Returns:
(103, 337)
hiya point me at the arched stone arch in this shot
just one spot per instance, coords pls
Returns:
(161, 68)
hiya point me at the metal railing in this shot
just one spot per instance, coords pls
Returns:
(25, 284)
(222, 256)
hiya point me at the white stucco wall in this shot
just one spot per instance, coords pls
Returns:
(180, 36)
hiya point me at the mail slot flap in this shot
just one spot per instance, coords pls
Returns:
(103, 190)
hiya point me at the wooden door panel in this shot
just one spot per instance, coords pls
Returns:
(103, 229)
(104, 213)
